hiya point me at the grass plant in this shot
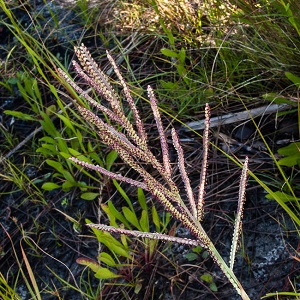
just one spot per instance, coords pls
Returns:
(244, 53)
(134, 150)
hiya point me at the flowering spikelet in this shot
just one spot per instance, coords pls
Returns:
(200, 207)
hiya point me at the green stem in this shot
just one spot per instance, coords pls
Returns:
(227, 271)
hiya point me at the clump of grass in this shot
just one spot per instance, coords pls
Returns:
(132, 147)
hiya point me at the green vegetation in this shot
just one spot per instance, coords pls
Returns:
(234, 55)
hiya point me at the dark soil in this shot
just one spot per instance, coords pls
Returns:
(38, 226)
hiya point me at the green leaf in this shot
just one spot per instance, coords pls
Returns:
(45, 152)
(191, 256)
(206, 277)
(107, 259)
(156, 219)
(295, 79)
(100, 272)
(88, 262)
(197, 249)
(142, 199)
(181, 56)
(49, 186)
(89, 196)
(110, 159)
(282, 196)
(110, 242)
(290, 161)
(65, 155)
(67, 185)
(79, 155)
(213, 287)
(50, 110)
(47, 139)
(104, 273)
(116, 246)
(123, 194)
(181, 70)
(117, 214)
(66, 122)
(20, 115)
(291, 149)
(50, 147)
(205, 254)
(93, 155)
(275, 98)
(131, 217)
(69, 177)
(48, 126)
(168, 85)
(292, 153)
(169, 53)
(144, 221)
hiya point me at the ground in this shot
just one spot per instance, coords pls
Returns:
(52, 243)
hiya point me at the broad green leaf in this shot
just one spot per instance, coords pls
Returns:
(51, 110)
(107, 259)
(67, 185)
(290, 161)
(55, 164)
(111, 217)
(117, 248)
(69, 177)
(207, 278)
(117, 214)
(65, 155)
(82, 185)
(79, 137)
(275, 98)
(89, 196)
(104, 273)
(62, 144)
(291, 149)
(20, 115)
(88, 262)
(197, 249)
(45, 152)
(79, 155)
(292, 153)
(47, 139)
(181, 70)
(213, 287)
(191, 256)
(110, 242)
(169, 53)
(50, 147)
(49, 186)
(131, 217)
